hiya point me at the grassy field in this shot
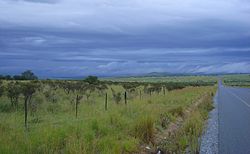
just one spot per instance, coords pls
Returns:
(202, 78)
(123, 128)
(241, 80)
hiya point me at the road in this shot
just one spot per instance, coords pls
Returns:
(234, 120)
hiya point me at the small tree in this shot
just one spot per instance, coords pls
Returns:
(28, 75)
(18, 77)
(92, 80)
(28, 89)
(13, 93)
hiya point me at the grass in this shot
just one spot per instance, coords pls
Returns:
(53, 128)
(241, 80)
(176, 79)
(187, 138)
(144, 129)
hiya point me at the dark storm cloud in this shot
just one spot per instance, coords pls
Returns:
(78, 37)
(35, 1)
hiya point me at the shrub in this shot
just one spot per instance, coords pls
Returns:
(92, 80)
(28, 75)
(13, 93)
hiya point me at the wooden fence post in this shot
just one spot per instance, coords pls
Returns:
(26, 111)
(140, 94)
(76, 104)
(106, 101)
(125, 97)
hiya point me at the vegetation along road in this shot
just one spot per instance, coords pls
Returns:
(234, 120)
(126, 115)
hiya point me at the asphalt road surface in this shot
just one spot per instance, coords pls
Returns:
(234, 120)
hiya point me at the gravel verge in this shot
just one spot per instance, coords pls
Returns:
(209, 139)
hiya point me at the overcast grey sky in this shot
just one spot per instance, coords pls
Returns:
(114, 37)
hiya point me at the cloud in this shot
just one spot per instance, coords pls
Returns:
(35, 1)
(121, 16)
(240, 67)
(111, 37)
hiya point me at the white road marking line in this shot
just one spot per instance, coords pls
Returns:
(239, 98)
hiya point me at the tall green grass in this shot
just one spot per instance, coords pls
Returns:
(53, 128)
(187, 138)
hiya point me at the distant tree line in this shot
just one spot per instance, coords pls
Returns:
(26, 75)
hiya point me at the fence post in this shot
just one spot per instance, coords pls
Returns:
(106, 101)
(140, 94)
(76, 104)
(26, 111)
(125, 97)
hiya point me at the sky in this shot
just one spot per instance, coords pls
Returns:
(66, 38)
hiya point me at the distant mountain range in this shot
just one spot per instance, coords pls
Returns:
(151, 74)
(162, 74)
